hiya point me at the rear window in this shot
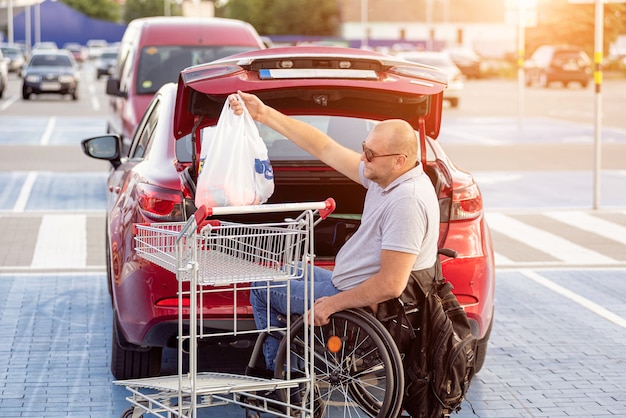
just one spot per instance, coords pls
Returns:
(50, 61)
(161, 64)
(562, 57)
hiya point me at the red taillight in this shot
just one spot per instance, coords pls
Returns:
(159, 203)
(172, 303)
(467, 203)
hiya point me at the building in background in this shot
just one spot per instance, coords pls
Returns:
(486, 26)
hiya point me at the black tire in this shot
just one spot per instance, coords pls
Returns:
(25, 94)
(129, 413)
(132, 362)
(364, 377)
(481, 348)
(109, 276)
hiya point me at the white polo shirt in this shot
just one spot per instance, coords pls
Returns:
(403, 217)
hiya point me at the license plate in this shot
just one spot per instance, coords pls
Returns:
(50, 86)
(570, 66)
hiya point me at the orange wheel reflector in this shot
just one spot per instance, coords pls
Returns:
(334, 344)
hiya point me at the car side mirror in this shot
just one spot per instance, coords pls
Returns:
(113, 87)
(107, 147)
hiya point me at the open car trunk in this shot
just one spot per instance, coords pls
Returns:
(317, 182)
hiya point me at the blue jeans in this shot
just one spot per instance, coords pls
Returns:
(278, 305)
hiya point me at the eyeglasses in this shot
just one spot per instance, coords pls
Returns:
(369, 154)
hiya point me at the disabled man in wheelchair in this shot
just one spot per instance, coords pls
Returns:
(399, 227)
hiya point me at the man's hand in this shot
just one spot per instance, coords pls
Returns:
(323, 310)
(252, 103)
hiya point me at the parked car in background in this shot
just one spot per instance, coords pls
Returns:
(50, 72)
(95, 47)
(13, 56)
(468, 61)
(78, 51)
(106, 62)
(440, 60)
(47, 45)
(155, 49)
(562, 64)
(4, 74)
(345, 92)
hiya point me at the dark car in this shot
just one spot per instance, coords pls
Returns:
(50, 72)
(563, 64)
(106, 62)
(342, 91)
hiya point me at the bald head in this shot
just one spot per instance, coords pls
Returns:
(398, 137)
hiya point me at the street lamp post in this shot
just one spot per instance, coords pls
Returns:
(364, 33)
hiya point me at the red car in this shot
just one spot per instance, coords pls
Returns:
(342, 91)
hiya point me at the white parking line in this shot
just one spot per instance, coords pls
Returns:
(45, 138)
(61, 242)
(590, 223)
(546, 242)
(8, 102)
(27, 187)
(575, 297)
(94, 99)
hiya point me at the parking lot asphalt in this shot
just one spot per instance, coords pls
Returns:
(549, 355)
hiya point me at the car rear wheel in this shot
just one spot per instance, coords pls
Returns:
(481, 349)
(129, 361)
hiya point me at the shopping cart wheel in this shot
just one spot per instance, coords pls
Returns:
(358, 368)
(252, 414)
(130, 413)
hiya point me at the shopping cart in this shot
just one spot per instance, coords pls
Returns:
(216, 256)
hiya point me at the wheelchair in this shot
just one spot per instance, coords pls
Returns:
(358, 368)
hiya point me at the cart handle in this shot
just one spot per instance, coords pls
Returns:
(325, 208)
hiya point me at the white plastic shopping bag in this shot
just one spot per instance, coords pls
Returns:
(234, 167)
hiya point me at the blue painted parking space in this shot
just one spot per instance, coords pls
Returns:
(549, 355)
(22, 131)
(10, 186)
(50, 131)
(68, 191)
(72, 131)
(45, 191)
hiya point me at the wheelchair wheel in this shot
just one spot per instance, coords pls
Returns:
(358, 368)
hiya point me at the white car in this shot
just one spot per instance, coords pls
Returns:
(95, 48)
(440, 60)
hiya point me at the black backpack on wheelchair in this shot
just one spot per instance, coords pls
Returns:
(433, 335)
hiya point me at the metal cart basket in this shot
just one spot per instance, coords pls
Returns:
(216, 256)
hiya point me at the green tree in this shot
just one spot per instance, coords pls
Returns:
(561, 22)
(97, 9)
(285, 17)
(135, 9)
